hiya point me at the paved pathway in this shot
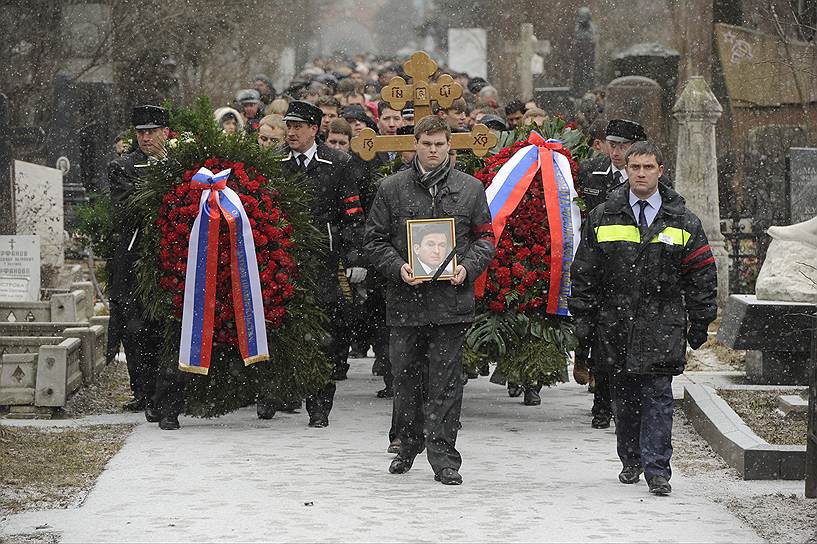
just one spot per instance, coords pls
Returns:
(531, 474)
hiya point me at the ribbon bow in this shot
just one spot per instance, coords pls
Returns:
(218, 200)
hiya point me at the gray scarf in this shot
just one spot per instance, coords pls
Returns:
(432, 178)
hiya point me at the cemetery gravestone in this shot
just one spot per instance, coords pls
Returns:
(802, 181)
(653, 61)
(9, 137)
(765, 177)
(639, 99)
(19, 268)
(555, 100)
(469, 52)
(39, 204)
(584, 53)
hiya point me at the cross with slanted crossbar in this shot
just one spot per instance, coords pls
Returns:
(420, 67)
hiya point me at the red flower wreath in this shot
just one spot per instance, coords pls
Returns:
(518, 276)
(272, 233)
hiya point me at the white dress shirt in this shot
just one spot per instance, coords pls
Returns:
(651, 210)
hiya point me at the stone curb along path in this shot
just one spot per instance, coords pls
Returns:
(531, 474)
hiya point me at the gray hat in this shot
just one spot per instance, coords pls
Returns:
(245, 96)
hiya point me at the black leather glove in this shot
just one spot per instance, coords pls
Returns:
(697, 335)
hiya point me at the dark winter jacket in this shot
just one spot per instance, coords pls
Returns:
(634, 296)
(335, 206)
(123, 174)
(400, 197)
(596, 180)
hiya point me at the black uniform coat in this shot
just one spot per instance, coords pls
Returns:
(400, 197)
(335, 207)
(633, 295)
(123, 174)
(596, 180)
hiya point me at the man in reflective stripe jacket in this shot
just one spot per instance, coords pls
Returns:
(644, 283)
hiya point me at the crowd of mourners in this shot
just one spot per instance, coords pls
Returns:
(643, 258)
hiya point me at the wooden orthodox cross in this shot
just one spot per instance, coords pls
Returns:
(420, 67)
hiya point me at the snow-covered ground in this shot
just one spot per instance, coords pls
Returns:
(530, 474)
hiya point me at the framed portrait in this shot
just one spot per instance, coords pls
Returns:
(431, 245)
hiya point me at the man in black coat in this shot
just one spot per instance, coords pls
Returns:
(597, 178)
(140, 336)
(429, 319)
(337, 211)
(643, 272)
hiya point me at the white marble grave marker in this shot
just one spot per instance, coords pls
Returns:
(19, 268)
(468, 51)
(38, 196)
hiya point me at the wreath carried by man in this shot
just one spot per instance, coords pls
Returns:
(228, 269)
(522, 321)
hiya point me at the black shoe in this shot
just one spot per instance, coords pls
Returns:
(169, 423)
(514, 390)
(134, 405)
(659, 486)
(630, 474)
(265, 409)
(600, 421)
(394, 447)
(385, 393)
(318, 421)
(532, 397)
(400, 465)
(152, 415)
(339, 372)
(448, 476)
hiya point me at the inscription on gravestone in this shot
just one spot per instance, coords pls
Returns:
(19, 268)
(802, 178)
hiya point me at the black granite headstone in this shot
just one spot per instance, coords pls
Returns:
(776, 334)
(555, 100)
(802, 180)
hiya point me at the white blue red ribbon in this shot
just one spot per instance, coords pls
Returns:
(505, 193)
(218, 200)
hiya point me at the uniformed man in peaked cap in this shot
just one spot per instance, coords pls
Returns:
(140, 336)
(337, 211)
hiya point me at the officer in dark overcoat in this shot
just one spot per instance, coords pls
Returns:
(140, 336)
(336, 210)
(598, 177)
(644, 284)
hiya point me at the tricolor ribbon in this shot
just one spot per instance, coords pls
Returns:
(196, 347)
(505, 193)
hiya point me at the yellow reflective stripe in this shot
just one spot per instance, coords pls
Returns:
(679, 237)
(618, 233)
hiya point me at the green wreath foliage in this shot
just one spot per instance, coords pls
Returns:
(297, 366)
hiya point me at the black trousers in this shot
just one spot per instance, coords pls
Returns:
(337, 344)
(427, 366)
(142, 340)
(602, 398)
(643, 409)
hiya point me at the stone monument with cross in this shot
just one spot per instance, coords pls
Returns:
(11, 136)
(422, 92)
